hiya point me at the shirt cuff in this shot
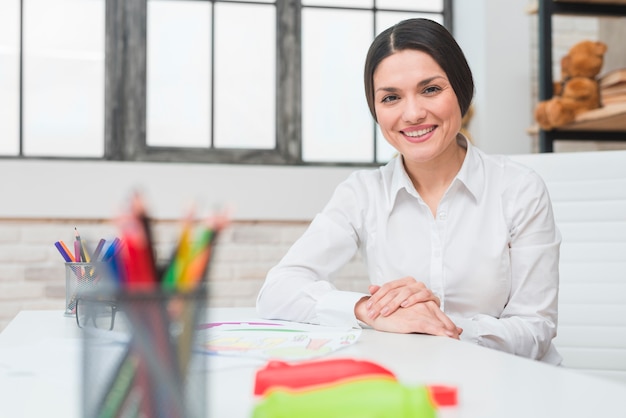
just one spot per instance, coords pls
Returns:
(336, 309)
(470, 329)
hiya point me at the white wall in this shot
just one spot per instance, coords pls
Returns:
(96, 189)
(494, 35)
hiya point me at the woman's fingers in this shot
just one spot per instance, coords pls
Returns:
(424, 318)
(451, 328)
(404, 292)
(373, 288)
(423, 295)
(389, 302)
(381, 291)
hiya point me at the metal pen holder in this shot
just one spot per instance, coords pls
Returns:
(79, 278)
(147, 365)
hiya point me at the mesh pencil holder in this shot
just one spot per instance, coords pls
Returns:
(148, 364)
(79, 278)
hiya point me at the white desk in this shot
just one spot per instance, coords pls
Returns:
(40, 365)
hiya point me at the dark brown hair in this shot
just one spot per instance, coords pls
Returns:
(427, 36)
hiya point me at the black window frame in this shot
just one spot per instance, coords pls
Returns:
(125, 90)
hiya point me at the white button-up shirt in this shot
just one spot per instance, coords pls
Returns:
(491, 253)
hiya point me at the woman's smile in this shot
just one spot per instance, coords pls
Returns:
(416, 135)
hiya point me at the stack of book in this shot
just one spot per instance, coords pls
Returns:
(611, 116)
(613, 87)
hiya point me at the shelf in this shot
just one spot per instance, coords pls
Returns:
(608, 118)
(589, 8)
(607, 123)
(593, 1)
(584, 7)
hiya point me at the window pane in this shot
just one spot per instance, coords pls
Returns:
(64, 78)
(245, 76)
(339, 3)
(336, 123)
(421, 5)
(179, 74)
(9, 77)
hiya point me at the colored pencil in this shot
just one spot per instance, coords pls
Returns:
(84, 254)
(96, 253)
(64, 254)
(67, 251)
(77, 255)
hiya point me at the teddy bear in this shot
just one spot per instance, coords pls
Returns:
(578, 91)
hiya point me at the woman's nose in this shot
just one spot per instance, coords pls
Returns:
(413, 111)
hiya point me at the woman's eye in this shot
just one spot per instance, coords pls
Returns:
(388, 99)
(432, 90)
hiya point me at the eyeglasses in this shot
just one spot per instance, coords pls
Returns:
(96, 313)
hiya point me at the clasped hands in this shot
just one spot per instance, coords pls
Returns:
(405, 306)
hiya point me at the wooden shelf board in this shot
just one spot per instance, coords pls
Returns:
(594, 1)
(611, 117)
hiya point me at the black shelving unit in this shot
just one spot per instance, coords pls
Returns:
(547, 9)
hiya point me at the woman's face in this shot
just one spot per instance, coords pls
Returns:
(416, 107)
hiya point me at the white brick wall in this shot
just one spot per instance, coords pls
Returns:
(32, 274)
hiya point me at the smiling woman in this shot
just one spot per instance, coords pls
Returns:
(418, 89)
(458, 243)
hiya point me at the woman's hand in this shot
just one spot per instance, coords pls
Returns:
(423, 318)
(405, 292)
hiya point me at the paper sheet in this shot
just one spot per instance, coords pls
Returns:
(274, 339)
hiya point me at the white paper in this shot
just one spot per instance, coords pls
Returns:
(277, 340)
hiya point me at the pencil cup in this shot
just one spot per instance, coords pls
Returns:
(148, 364)
(79, 278)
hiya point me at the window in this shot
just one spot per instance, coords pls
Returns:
(221, 81)
(52, 78)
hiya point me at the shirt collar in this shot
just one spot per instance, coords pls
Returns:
(471, 174)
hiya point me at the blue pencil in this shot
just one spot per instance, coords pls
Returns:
(64, 254)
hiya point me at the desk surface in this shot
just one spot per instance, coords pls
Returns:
(40, 366)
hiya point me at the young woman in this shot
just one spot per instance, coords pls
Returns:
(457, 243)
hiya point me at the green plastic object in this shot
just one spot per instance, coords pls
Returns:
(362, 398)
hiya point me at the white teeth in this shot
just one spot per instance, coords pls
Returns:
(414, 134)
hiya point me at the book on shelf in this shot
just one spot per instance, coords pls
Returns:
(617, 98)
(613, 78)
(613, 95)
(613, 87)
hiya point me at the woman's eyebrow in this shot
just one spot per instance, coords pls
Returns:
(429, 80)
(387, 89)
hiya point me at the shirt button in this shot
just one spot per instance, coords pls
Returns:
(442, 216)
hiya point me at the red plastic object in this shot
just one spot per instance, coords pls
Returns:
(314, 373)
(443, 395)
